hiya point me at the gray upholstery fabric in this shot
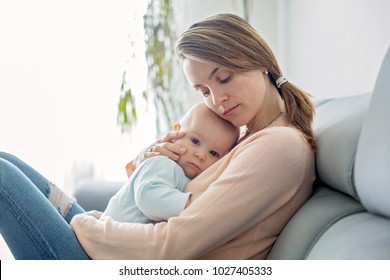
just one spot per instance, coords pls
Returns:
(361, 236)
(322, 210)
(94, 195)
(372, 168)
(337, 124)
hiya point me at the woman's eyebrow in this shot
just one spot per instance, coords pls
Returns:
(213, 72)
(210, 76)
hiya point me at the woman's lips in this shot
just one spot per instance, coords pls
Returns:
(229, 111)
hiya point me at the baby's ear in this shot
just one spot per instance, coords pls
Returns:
(176, 127)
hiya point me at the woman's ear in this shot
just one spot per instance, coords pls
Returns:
(176, 127)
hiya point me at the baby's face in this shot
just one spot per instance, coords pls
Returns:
(206, 142)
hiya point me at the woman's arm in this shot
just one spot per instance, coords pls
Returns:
(253, 182)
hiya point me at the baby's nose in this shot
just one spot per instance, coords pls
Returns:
(200, 155)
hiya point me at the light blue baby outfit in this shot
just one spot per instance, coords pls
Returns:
(153, 193)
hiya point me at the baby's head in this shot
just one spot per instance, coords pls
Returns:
(207, 138)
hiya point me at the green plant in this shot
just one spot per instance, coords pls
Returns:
(159, 39)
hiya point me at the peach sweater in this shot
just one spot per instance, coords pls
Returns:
(246, 199)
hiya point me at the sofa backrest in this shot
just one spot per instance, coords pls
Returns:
(337, 125)
(372, 166)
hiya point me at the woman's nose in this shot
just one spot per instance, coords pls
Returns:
(218, 97)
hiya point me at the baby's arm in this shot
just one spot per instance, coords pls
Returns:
(158, 189)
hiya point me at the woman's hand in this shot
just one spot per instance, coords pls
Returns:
(165, 146)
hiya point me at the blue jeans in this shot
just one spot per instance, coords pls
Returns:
(31, 224)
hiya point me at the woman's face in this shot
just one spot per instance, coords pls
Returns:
(236, 97)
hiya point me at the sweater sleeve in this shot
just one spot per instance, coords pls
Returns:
(255, 180)
(158, 189)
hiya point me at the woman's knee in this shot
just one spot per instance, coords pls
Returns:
(5, 155)
(5, 166)
(8, 157)
(7, 172)
(10, 171)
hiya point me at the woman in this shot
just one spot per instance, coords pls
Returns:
(240, 204)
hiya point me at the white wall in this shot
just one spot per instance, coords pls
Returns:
(333, 47)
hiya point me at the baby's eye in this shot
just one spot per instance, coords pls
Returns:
(214, 154)
(195, 141)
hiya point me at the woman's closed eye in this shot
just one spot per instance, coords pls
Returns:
(225, 80)
(206, 92)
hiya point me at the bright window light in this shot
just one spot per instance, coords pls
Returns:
(61, 70)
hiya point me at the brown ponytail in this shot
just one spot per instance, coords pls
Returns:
(299, 110)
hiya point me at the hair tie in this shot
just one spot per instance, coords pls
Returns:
(280, 81)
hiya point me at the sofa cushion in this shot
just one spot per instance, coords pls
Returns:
(361, 236)
(319, 213)
(372, 168)
(337, 125)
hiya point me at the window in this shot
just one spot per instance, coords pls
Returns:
(61, 69)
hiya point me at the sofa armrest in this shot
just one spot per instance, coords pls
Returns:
(95, 195)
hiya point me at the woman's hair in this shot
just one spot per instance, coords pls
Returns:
(232, 42)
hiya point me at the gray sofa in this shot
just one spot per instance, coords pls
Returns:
(348, 215)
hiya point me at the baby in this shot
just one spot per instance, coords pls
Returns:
(155, 191)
